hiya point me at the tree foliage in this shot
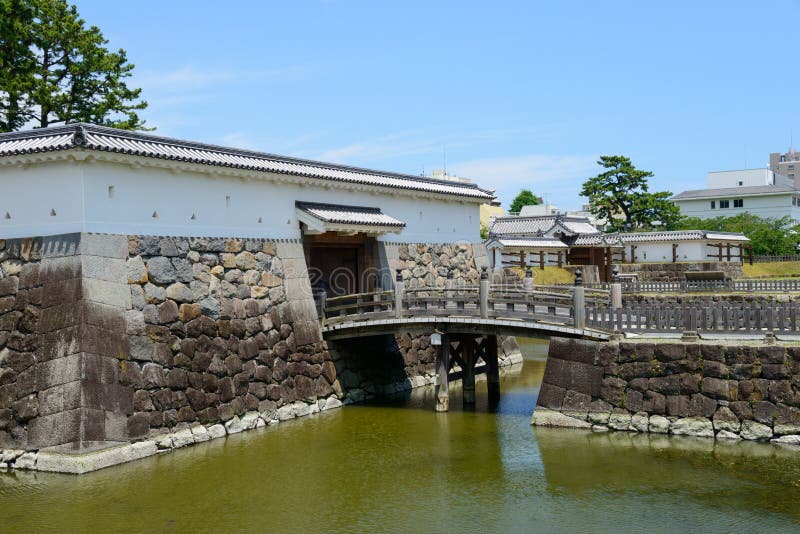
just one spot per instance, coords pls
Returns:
(620, 195)
(55, 70)
(768, 236)
(524, 198)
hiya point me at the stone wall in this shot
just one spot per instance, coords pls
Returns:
(115, 347)
(427, 265)
(221, 327)
(704, 389)
(20, 306)
(676, 272)
(108, 339)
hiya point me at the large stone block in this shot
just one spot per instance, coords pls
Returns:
(551, 396)
(103, 268)
(576, 350)
(105, 292)
(104, 245)
(53, 271)
(576, 376)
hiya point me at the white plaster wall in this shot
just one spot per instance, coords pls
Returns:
(662, 252)
(138, 192)
(28, 194)
(687, 251)
(512, 257)
(772, 206)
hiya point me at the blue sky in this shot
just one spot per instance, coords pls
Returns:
(511, 94)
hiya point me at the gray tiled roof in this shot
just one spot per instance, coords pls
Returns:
(92, 137)
(531, 242)
(595, 240)
(680, 235)
(731, 192)
(516, 225)
(337, 214)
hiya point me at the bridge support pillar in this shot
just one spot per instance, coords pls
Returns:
(469, 356)
(492, 368)
(442, 370)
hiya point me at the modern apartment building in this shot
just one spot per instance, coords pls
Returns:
(787, 164)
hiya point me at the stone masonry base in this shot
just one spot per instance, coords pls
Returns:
(731, 392)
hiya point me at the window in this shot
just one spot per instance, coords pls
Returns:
(790, 167)
(713, 206)
(724, 204)
(794, 201)
(791, 175)
(741, 183)
(738, 203)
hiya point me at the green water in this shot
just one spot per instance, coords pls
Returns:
(399, 467)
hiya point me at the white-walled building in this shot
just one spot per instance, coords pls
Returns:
(757, 191)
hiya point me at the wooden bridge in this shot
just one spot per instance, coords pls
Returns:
(466, 320)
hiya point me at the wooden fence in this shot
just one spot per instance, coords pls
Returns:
(692, 317)
(770, 258)
(688, 286)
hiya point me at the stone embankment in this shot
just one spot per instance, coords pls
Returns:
(676, 272)
(749, 392)
(117, 347)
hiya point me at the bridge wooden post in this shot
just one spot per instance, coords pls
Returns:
(615, 293)
(484, 293)
(399, 289)
(442, 370)
(492, 368)
(578, 301)
(528, 282)
(469, 355)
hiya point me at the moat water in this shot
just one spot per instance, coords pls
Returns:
(396, 466)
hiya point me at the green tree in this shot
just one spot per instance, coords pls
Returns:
(55, 70)
(524, 198)
(620, 195)
(16, 62)
(768, 236)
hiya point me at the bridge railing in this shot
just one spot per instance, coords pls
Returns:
(499, 301)
(705, 286)
(755, 317)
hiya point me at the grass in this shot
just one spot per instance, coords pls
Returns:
(549, 276)
(776, 269)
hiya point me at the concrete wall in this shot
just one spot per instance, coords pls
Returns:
(79, 195)
(735, 391)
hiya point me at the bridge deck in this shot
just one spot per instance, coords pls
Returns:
(455, 324)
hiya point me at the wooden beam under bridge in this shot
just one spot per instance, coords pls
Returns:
(469, 348)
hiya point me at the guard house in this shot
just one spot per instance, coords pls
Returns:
(562, 240)
(550, 240)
